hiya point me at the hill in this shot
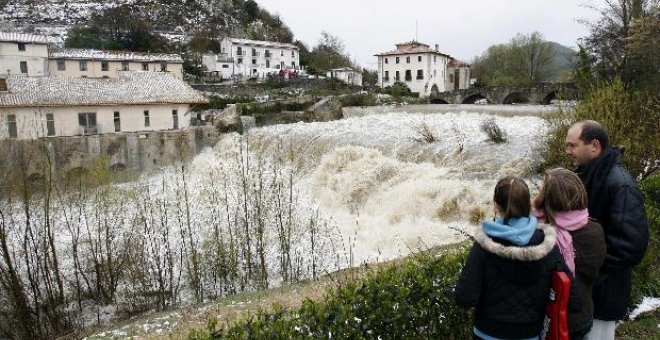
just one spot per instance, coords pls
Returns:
(172, 19)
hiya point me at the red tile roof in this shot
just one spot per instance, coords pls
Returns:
(412, 47)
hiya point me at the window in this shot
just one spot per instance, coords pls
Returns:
(24, 68)
(254, 52)
(104, 66)
(175, 118)
(408, 60)
(435, 74)
(61, 65)
(124, 66)
(267, 63)
(451, 78)
(240, 60)
(225, 66)
(434, 58)
(145, 66)
(83, 65)
(397, 60)
(87, 123)
(408, 75)
(21, 46)
(420, 74)
(419, 58)
(387, 76)
(254, 61)
(293, 54)
(163, 67)
(11, 126)
(117, 121)
(239, 51)
(386, 60)
(293, 64)
(50, 124)
(396, 76)
(146, 118)
(282, 53)
(267, 54)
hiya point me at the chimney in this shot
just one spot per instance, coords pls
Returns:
(437, 47)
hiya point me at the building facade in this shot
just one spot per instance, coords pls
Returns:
(249, 58)
(416, 65)
(35, 107)
(458, 75)
(109, 64)
(25, 54)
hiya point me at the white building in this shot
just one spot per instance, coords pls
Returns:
(108, 64)
(23, 54)
(458, 75)
(34, 107)
(347, 75)
(414, 64)
(245, 58)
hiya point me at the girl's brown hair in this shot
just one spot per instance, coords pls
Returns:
(512, 195)
(562, 190)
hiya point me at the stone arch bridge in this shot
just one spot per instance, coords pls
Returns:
(508, 94)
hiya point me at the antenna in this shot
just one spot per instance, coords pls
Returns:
(415, 29)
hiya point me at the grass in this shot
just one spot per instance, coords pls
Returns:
(645, 326)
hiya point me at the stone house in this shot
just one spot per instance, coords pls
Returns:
(23, 54)
(35, 107)
(246, 58)
(347, 75)
(108, 64)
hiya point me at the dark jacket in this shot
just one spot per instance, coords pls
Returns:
(589, 245)
(508, 284)
(617, 204)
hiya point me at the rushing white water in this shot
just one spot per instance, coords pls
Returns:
(389, 193)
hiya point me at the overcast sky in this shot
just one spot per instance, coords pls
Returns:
(463, 29)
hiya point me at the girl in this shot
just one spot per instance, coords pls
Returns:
(562, 202)
(508, 271)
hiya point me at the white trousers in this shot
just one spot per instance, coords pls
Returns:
(601, 330)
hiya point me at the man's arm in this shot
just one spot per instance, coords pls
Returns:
(627, 233)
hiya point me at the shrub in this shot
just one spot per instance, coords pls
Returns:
(410, 299)
(493, 131)
(646, 276)
(424, 134)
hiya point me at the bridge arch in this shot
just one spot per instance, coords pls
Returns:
(473, 98)
(515, 97)
(549, 97)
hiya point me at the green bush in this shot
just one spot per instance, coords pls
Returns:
(632, 120)
(402, 301)
(646, 276)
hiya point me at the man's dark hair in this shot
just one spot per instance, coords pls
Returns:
(593, 130)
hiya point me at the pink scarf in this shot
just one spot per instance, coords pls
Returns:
(565, 222)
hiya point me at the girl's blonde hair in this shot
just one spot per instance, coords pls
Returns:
(562, 190)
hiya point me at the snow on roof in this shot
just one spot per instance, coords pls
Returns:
(412, 47)
(24, 38)
(131, 88)
(77, 53)
(262, 43)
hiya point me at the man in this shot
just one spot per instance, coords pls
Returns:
(616, 203)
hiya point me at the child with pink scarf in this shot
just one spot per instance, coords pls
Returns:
(562, 202)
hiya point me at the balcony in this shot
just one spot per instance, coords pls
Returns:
(89, 130)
